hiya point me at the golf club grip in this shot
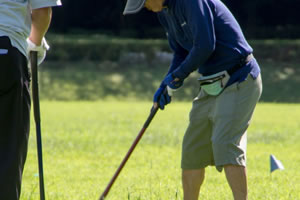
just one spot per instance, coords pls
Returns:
(137, 139)
(35, 86)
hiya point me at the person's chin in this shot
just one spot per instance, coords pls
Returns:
(156, 9)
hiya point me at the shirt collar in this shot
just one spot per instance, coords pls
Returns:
(166, 3)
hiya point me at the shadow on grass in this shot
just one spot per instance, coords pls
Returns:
(281, 82)
(87, 80)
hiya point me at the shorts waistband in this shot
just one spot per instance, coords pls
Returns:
(241, 64)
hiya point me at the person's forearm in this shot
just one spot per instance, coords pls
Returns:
(179, 54)
(41, 19)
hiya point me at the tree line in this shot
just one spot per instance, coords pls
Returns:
(258, 18)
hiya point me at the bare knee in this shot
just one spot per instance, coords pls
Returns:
(191, 176)
(237, 179)
(191, 181)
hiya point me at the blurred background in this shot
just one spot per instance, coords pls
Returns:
(97, 53)
(260, 19)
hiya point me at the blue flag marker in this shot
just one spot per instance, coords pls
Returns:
(275, 164)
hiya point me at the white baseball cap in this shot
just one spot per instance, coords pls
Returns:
(133, 6)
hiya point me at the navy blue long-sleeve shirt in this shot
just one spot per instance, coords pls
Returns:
(203, 35)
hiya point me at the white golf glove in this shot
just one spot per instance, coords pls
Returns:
(170, 91)
(40, 49)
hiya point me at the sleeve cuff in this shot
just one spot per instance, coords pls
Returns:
(180, 74)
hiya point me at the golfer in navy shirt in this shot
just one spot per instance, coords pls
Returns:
(205, 36)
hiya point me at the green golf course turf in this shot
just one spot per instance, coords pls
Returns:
(84, 143)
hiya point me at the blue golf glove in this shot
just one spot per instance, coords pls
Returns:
(171, 82)
(162, 97)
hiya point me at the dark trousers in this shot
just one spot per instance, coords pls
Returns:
(14, 119)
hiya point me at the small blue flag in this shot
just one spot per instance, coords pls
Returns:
(275, 164)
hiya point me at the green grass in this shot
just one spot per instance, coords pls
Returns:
(86, 80)
(84, 143)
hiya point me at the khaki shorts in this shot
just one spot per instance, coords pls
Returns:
(217, 131)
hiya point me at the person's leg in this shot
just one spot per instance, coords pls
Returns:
(233, 112)
(196, 147)
(14, 120)
(191, 183)
(237, 180)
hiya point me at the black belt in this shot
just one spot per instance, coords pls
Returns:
(242, 63)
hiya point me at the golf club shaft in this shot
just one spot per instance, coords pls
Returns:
(37, 118)
(137, 139)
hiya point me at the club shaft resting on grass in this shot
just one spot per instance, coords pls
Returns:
(136, 141)
(37, 118)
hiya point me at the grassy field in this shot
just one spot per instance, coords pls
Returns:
(84, 143)
(86, 80)
(92, 112)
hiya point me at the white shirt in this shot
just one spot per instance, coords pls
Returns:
(15, 19)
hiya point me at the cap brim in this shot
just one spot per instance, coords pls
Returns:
(133, 6)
